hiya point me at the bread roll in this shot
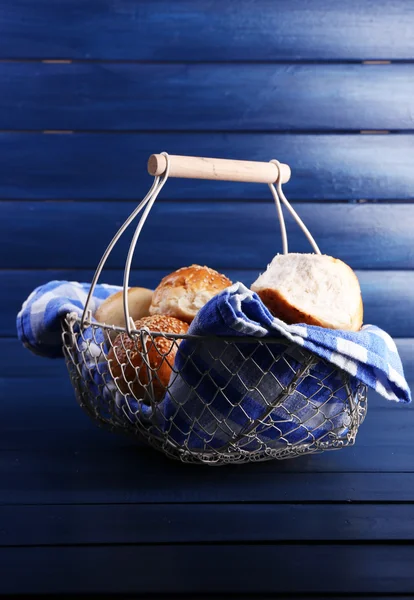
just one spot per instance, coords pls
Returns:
(111, 311)
(181, 294)
(313, 289)
(126, 362)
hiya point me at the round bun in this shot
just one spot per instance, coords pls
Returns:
(111, 311)
(126, 362)
(181, 294)
(313, 289)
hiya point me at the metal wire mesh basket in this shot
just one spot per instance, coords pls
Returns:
(228, 399)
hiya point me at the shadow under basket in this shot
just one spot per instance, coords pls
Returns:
(228, 400)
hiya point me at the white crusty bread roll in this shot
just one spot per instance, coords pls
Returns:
(313, 289)
(111, 311)
(182, 293)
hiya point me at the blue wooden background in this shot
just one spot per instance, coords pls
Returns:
(88, 90)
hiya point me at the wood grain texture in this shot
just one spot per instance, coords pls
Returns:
(202, 523)
(387, 295)
(218, 169)
(207, 30)
(113, 166)
(230, 97)
(204, 486)
(370, 568)
(69, 235)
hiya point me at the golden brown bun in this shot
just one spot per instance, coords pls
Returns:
(126, 362)
(111, 311)
(182, 293)
(312, 288)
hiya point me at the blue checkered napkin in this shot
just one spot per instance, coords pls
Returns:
(39, 329)
(203, 403)
(369, 355)
(206, 405)
(39, 321)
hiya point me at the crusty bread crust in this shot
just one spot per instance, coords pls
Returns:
(125, 357)
(182, 293)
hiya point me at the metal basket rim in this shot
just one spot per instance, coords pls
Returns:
(356, 406)
(74, 318)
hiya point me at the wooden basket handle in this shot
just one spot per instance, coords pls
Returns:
(196, 167)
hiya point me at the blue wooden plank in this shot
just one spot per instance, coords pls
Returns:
(245, 237)
(206, 30)
(19, 362)
(113, 166)
(197, 569)
(112, 96)
(207, 485)
(380, 291)
(203, 523)
(406, 351)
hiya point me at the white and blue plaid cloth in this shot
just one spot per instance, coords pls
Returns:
(39, 321)
(199, 410)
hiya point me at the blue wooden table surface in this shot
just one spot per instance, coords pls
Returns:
(89, 90)
(122, 518)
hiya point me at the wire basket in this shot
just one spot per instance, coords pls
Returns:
(228, 399)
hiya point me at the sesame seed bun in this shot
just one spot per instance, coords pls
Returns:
(127, 364)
